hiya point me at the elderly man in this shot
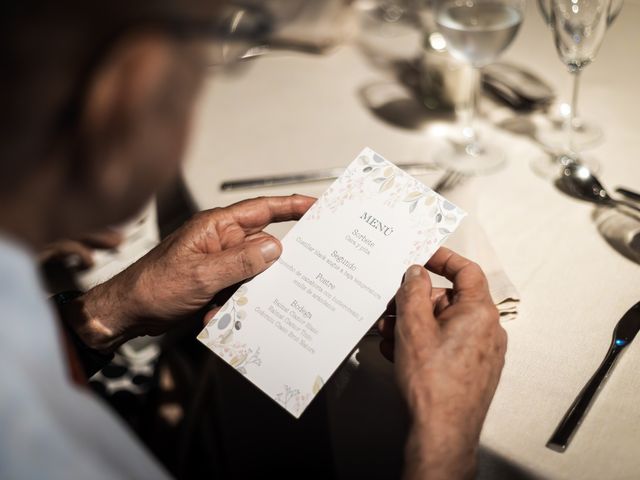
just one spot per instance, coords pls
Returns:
(95, 107)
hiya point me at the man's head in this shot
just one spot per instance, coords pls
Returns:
(95, 100)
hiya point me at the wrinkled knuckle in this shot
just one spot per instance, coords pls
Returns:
(246, 264)
(203, 216)
(200, 277)
(473, 268)
(200, 216)
(476, 270)
(411, 290)
(491, 313)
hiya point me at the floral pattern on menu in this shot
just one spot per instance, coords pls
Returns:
(296, 401)
(382, 178)
(218, 335)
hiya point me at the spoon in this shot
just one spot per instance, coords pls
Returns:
(578, 181)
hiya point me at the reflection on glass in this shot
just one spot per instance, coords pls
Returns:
(584, 133)
(476, 32)
(578, 28)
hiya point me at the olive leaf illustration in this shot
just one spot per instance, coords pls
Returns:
(287, 395)
(430, 200)
(387, 184)
(238, 360)
(224, 321)
(317, 385)
(413, 196)
(226, 337)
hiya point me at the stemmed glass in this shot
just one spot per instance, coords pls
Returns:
(476, 32)
(553, 133)
(578, 29)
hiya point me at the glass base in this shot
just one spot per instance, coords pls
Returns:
(553, 134)
(550, 167)
(477, 159)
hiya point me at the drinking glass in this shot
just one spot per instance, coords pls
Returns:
(246, 27)
(578, 28)
(585, 133)
(476, 32)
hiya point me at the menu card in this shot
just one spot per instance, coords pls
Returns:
(289, 328)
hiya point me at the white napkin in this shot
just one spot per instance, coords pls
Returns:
(471, 241)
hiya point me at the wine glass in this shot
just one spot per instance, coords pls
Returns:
(585, 133)
(476, 32)
(578, 29)
(247, 27)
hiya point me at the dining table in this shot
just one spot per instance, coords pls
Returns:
(286, 111)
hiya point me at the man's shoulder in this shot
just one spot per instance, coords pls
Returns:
(50, 428)
(32, 442)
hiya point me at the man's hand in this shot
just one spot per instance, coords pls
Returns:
(449, 351)
(214, 250)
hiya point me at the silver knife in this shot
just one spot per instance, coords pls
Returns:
(629, 193)
(312, 176)
(623, 334)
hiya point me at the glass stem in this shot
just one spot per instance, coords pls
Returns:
(469, 112)
(573, 115)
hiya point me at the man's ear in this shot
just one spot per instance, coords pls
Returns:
(119, 101)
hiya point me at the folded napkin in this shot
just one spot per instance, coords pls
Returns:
(471, 241)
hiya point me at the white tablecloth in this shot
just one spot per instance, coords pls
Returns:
(290, 112)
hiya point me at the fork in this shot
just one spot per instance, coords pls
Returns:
(449, 180)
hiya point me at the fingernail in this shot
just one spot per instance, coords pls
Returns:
(413, 271)
(270, 251)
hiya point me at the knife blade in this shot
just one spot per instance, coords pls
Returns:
(630, 194)
(311, 176)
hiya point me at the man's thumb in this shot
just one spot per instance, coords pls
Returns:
(246, 260)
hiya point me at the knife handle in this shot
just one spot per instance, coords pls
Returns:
(560, 439)
(629, 193)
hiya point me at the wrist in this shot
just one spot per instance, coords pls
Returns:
(98, 319)
(442, 441)
(433, 452)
